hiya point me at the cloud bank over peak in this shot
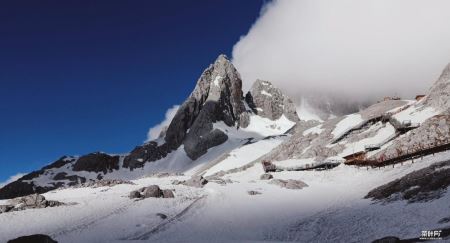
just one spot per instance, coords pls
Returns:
(153, 132)
(365, 49)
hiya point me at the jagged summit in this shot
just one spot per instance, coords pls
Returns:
(268, 101)
(216, 97)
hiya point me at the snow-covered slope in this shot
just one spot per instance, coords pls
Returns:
(333, 200)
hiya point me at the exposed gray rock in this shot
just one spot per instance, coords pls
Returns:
(435, 129)
(5, 208)
(268, 101)
(289, 184)
(253, 193)
(196, 181)
(418, 186)
(30, 201)
(151, 191)
(135, 194)
(266, 176)
(168, 193)
(106, 183)
(33, 239)
(439, 94)
(74, 179)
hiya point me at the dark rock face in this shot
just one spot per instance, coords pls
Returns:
(147, 152)
(74, 179)
(60, 163)
(217, 97)
(418, 186)
(268, 101)
(97, 162)
(33, 239)
(20, 188)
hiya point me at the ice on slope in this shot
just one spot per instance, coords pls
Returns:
(244, 155)
(416, 114)
(384, 133)
(349, 122)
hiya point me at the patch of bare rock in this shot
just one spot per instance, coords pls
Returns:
(151, 191)
(419, 186)
(195, 181)
(28, 202)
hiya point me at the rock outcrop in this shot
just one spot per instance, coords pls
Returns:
(439, 94)
(268, 101)
(39, 238)
(422, 185)
(151, 191)
(28, 202)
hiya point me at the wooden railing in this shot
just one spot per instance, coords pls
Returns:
(414, 152)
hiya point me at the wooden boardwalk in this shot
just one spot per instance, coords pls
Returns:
(416, 152)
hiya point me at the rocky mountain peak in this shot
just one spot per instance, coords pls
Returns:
(268, 101)
(439, 94)
(217, 96)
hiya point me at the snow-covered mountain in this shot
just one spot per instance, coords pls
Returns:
(210, 158)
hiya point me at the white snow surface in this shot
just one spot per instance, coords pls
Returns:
(416, 114)
(385, 132)
(349, 122)
(266, 93)
(333, 201)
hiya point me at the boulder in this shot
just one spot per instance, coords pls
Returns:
(135, 194)
(168, 193)
(33, 239)
(252, 193)
(152, 191)
(196, 181)
(266, 176)
(5, 208)
(161, 215)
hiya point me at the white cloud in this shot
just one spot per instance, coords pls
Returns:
(365, 49)
(153, 133)
(12, 179)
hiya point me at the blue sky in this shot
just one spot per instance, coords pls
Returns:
(84, 76)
